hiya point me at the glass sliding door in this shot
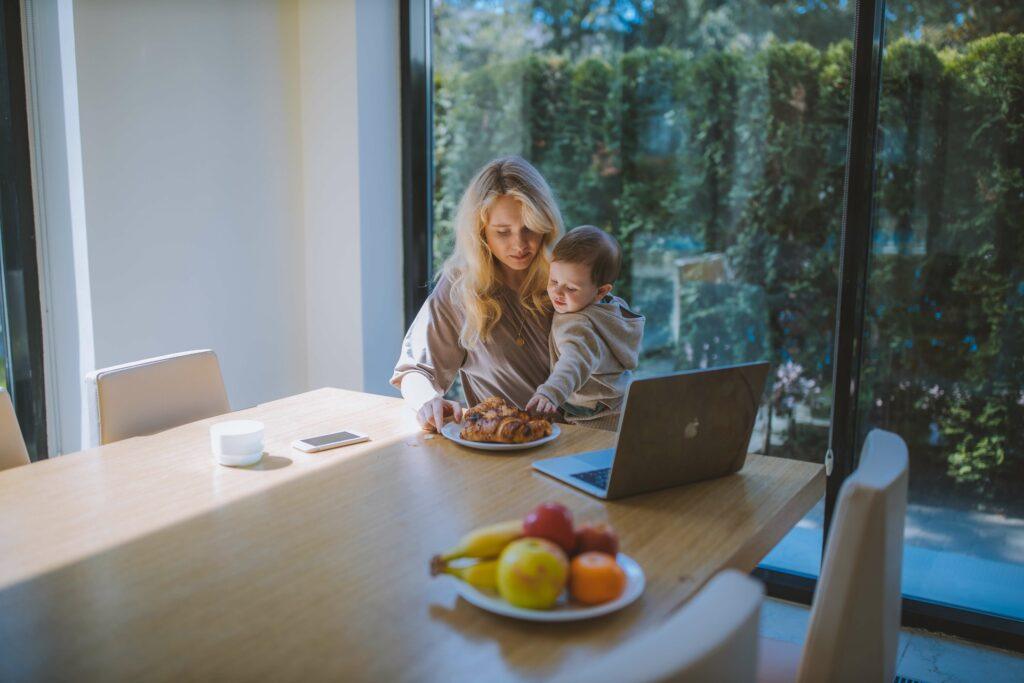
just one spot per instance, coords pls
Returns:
(709, 138)
(21, 339)
(943, 352)
(5, 341)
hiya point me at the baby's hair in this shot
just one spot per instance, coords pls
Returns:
(592, 247)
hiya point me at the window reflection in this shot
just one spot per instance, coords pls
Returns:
(944, 357)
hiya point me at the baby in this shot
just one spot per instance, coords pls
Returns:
(595, 337)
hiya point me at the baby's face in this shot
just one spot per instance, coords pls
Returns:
(570, 287)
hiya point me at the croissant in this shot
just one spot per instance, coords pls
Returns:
(494, 407)
(493, 420)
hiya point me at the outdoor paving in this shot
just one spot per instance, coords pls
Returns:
(973, 560)
(922, 656)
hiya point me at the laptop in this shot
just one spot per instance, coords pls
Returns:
(675, 429)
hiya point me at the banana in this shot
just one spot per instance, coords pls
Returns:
(483, 574)
(485, 542)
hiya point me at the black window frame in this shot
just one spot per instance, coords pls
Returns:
(855, 250)
(417, 152)
(17, 227)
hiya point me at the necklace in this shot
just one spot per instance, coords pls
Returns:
(520, 339)
(517, 320)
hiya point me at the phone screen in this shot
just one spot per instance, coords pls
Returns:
(318, 441)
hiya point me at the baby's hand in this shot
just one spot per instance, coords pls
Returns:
(541, 406)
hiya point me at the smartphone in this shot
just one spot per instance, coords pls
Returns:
(322, 443)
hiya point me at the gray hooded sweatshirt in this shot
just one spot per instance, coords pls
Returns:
(593, 353)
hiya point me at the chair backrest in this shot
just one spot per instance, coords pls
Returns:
(12, 444)
(854, 626)
(713, 637)
(151, 395)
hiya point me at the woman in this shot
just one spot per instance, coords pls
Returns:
(488, 317)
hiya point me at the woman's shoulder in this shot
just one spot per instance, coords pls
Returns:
(441, 292)
(443, 300)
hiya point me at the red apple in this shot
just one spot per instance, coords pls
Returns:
(599, 538)
(553, 522)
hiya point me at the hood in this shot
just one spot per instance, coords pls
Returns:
(621, 328)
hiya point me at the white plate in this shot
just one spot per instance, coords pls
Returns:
(564, 610)
(452, 429)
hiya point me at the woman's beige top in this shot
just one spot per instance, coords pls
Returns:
(497, 367)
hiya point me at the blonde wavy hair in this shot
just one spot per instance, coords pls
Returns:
(472, 269)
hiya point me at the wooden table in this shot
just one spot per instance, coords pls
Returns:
(145, 560)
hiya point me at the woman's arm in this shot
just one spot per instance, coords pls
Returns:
(430, 358)
(430, 405)
(417, 390)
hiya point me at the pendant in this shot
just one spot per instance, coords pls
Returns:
(520, 341)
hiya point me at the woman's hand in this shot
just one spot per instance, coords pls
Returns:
(433, 414)
(541, 406)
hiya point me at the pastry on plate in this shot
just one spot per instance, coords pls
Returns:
(494, 420)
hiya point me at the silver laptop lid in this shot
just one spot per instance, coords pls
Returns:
(686, 427)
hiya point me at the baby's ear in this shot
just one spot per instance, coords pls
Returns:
(603, 291)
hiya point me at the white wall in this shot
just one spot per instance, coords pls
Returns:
(351, 130)
(190, 142)
(330, 157)
(380, 173)
(225, 201)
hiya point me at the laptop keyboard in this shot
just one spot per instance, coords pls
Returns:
(598, 478)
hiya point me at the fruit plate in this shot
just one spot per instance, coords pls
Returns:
(564, 610)
(452, 429)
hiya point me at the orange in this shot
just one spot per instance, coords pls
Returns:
(595, 578)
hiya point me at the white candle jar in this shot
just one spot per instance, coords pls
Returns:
(237, 443)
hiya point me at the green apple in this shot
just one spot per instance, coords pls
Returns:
(532, 573)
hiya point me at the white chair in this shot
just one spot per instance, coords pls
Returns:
(713, 637)
(853, 633)
(151, 395)
(12, 444)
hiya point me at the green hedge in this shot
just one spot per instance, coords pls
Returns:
(742, 153)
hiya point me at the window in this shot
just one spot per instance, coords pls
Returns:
(710, 138)
(944, 339)
(21, 350)
(711, 143)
